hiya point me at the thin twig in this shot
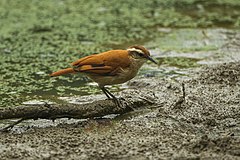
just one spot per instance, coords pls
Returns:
(183, 91)
(10, 126)
(178, 104)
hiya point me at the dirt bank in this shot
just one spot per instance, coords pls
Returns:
(206, 124)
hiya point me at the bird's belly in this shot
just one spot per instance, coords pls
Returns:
(122, 77)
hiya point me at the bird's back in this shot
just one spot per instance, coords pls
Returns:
(103, 63)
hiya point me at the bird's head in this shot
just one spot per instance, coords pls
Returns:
(140, 53)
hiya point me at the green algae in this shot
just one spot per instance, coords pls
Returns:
(180, 62)
(38, 37)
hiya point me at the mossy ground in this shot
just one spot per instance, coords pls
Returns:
(38, 37)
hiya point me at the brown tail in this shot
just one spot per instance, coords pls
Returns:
(63, 71)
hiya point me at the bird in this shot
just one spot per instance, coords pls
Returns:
(110, 67)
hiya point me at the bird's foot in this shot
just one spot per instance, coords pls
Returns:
(118, 102)
(120, 98)
(122, 104)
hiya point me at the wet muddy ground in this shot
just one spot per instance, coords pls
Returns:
(205, 125)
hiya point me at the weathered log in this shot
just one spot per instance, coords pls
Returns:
(79, 111)
(52, 111)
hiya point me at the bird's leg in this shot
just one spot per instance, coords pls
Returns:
(111, 96)
(105, 92)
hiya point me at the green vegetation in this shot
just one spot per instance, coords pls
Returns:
(37, 37)
(180, 62)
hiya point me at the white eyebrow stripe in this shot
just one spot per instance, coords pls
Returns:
(136, 50)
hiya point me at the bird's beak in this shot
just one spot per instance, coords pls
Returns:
(152, 60)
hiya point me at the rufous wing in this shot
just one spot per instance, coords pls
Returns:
(106, 63)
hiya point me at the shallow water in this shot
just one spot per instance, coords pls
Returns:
(191, 49)
(37, 38)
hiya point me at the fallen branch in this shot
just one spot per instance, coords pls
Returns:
(5, 129)
(80, 111)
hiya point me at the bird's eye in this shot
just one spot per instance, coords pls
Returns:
(141, 55)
